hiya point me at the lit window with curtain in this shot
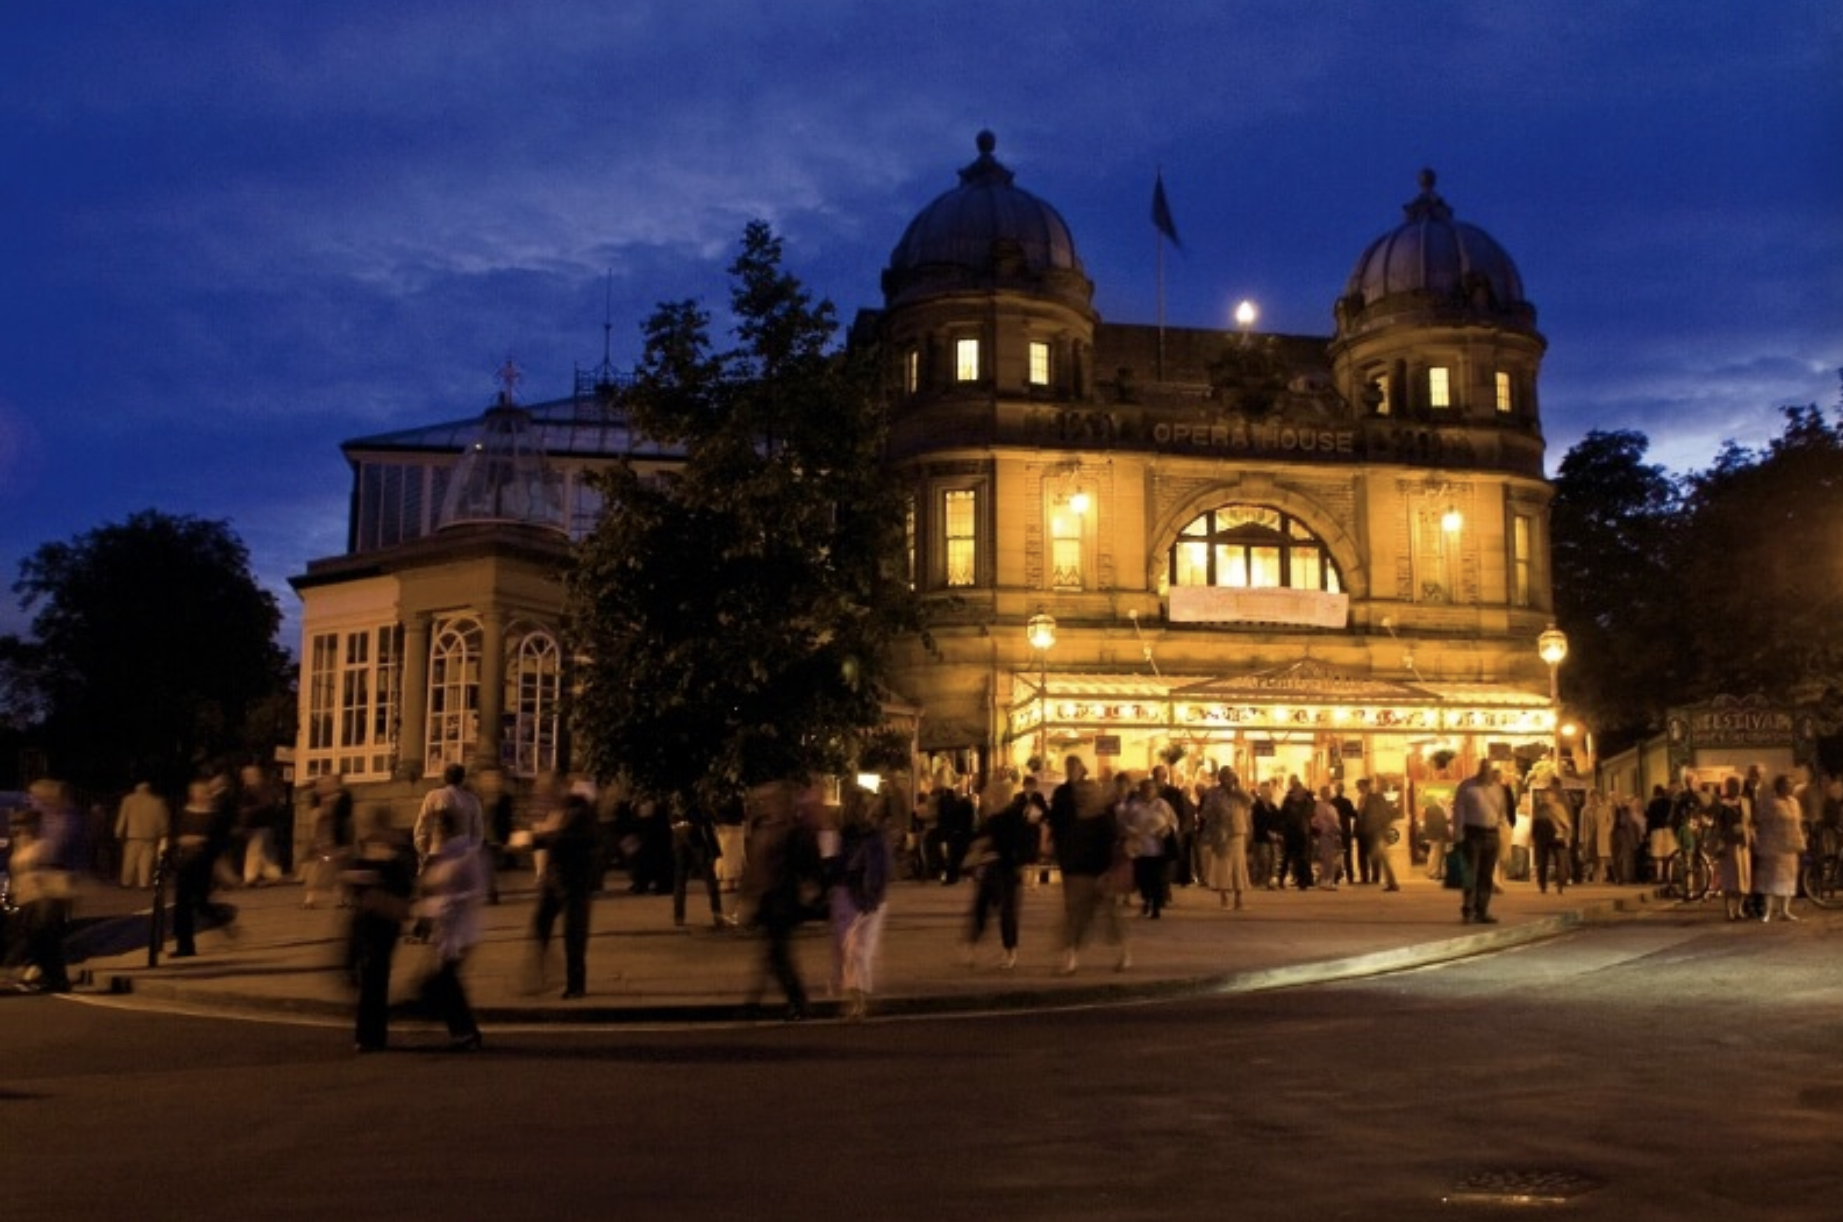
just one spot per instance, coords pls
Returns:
(1439, 387)
(1039, 363)
(1522, 581)
(959, 532)
(1504, 401)
(1066, 538)
(966, 360)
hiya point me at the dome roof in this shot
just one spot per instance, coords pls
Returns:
(1431, 253)
(985, 219)
(503, 476)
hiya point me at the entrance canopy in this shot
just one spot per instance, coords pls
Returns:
(1302, 696)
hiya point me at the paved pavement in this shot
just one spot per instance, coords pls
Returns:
(280, 959)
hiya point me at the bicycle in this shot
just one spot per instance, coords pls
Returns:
(1820, 867)
(1691, 872)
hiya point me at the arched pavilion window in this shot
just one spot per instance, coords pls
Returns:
(534, 686)
(454, 691)
(1251, 547)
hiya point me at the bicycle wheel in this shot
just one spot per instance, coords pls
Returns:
(1820, 877)
(1701, 876)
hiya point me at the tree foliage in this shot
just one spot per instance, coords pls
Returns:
(1728, 581)
(1763, 578)
(152, 649)
(734, 612)
(1614, 525)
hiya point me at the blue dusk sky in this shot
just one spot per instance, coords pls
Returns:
(235, 234)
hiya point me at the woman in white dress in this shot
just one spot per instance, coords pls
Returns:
(1779, 837)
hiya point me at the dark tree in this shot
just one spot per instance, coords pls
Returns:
(1615, 528)
(1763, 572)
(151, 647)
(734, 613)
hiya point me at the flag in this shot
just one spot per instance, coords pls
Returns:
(1161, 212)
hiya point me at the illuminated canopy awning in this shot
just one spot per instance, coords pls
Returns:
(1302, 696)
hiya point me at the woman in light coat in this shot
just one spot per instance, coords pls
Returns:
(1779, 837)
(1226, 824)
(453, 886)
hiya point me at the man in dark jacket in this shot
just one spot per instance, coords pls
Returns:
(571, 872)
(1082, 823)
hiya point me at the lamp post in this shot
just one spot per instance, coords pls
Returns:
(1041, 633)
(1552, 648)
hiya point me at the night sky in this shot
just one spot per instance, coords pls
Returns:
(235, 234)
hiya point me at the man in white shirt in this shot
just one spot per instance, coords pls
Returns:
(1480, 808)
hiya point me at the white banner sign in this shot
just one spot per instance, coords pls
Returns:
(1222, 605)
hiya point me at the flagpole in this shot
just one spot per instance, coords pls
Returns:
(1159, 237)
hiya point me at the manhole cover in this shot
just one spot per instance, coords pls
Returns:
(1521, 1186)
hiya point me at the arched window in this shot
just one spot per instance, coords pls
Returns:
(534, 684)
(1251, 547)
(454, 691)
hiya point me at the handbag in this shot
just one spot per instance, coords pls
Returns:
(1458, 871)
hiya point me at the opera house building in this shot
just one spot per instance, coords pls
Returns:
(1315, 555)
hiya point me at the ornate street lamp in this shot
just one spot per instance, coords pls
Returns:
(1041, 633)
(1552, 648)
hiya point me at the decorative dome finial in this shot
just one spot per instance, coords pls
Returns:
(986, 142)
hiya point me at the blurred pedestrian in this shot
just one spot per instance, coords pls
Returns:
(330, 839)
(140, 825)
(1327, 840)
(1146, 824)
(1733, 838)
(1437, 831)
(782, 884)
(567, 888)
(258, 814)
(452, 887)
(1086, 839)
(201, 832)
(1003, 846)
(380, 878)
(46, 842)
(857, 901)
(1481, 808)
(1551, 832)
(695, 853)
(1375, 816)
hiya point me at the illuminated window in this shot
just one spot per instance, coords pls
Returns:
(966, 360)
(1521, 531)
(1251, 547)
(1435, 555)
(960, 519)
(454, 692)
(352, 702)
(534, 689)
(1066, 545)
(1381, 388)
(1439, 387)
(1504, 402)
(1039, 364)
(911, 371)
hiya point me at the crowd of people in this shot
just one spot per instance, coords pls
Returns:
(779, 856)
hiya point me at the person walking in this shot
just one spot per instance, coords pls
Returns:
(1375, 816)
(1779, 838)
(258, 814)
(453, 886)
(1296, 812)
(1003, 847)
(857, 902)
(1550, 834)
(380, 878)
(695, 853)
(200, 834)
(1327, 841)
(1146, 824)
(1085, 836)
(43, 860)
(1226, 823)
(331, 839)
(1437, 832)
(571, 871)
(783, 867)
(1480, 808)
(140, 825)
